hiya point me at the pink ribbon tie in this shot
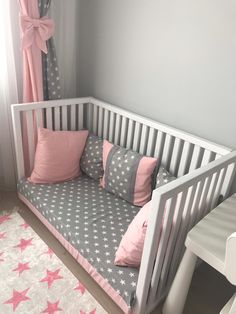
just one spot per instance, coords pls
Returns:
(38, 30)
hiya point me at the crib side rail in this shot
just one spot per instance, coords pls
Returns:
(62, 114)
(176, 208)
(179, 151)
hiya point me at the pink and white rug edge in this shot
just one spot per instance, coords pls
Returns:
(32, 277)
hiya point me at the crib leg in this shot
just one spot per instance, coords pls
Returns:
(177, 295)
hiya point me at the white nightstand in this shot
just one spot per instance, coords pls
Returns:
(213, 240)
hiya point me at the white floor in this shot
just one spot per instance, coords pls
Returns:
(208, 293)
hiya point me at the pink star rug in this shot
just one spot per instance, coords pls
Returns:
(33, 279)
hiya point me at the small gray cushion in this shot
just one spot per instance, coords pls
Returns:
(163, 177)
(91, 160)
(120, 173)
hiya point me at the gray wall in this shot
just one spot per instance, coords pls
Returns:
(173, 61)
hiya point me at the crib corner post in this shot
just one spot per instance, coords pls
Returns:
(149, 253)
(17, 133)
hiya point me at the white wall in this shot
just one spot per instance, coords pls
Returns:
(174, 61)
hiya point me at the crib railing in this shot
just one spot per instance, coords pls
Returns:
(63, 114)
(176, 208)
(204, 169)
(178, 151)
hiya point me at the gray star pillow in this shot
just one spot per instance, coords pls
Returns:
(91, 160)
(163, 177)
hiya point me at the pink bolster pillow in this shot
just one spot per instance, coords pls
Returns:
(130, 250)
(57, 156)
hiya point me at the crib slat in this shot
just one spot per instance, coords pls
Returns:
(229, 177)
(182, 232)
(130, 134)
(195, 158)
(175, 156)
(184, 159)
(151, 142)
(95, 119)
(106, 124)
(81, 116)
(150, 247)
(39, 118)
(64, 118)
(89, 117)
(57, 118)
(202, 202)
(196, 210)
(111, 126)
(136, 140)
(219, 187)
(100, 121)
(31, 137)
(162, 245)
(123, 134)
(167, 151)
(207, 157)
(171, 242)
(211, 194)
(159, 145)
(117, 129)
(49, 118)
(73, 117)
(143, 140)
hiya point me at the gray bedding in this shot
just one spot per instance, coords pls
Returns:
(92, 220)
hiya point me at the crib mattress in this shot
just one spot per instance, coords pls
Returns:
(92, 221)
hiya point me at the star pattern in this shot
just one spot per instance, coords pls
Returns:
(51, 277)
(52, 308)
(50, 252)
(24, 244)
(17, 298)
(2, 235)
(163, 177)
(119, 176)
(4, 218)
(22, 267)
(80, 288)
(91, 161)
(92, 312)
(93, 220)
(24, 225)
(20, 274)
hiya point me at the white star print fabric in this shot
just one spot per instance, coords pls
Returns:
(92, 220)
(163, 177)
(91, 160)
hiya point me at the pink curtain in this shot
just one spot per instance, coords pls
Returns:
(35, 31)
(32, 58)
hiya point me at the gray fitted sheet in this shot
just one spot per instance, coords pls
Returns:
(92, 220)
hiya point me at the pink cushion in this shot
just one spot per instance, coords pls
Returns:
(57, 156)
(143, 180)
(130, 250)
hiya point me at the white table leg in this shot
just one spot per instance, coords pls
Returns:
(177, 295)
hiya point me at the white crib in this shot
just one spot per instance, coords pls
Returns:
(205, 172)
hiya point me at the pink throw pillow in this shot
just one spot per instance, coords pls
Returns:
(127, 173)
(57, 156)
(130, 250)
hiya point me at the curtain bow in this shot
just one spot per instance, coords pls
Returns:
(38, 30)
